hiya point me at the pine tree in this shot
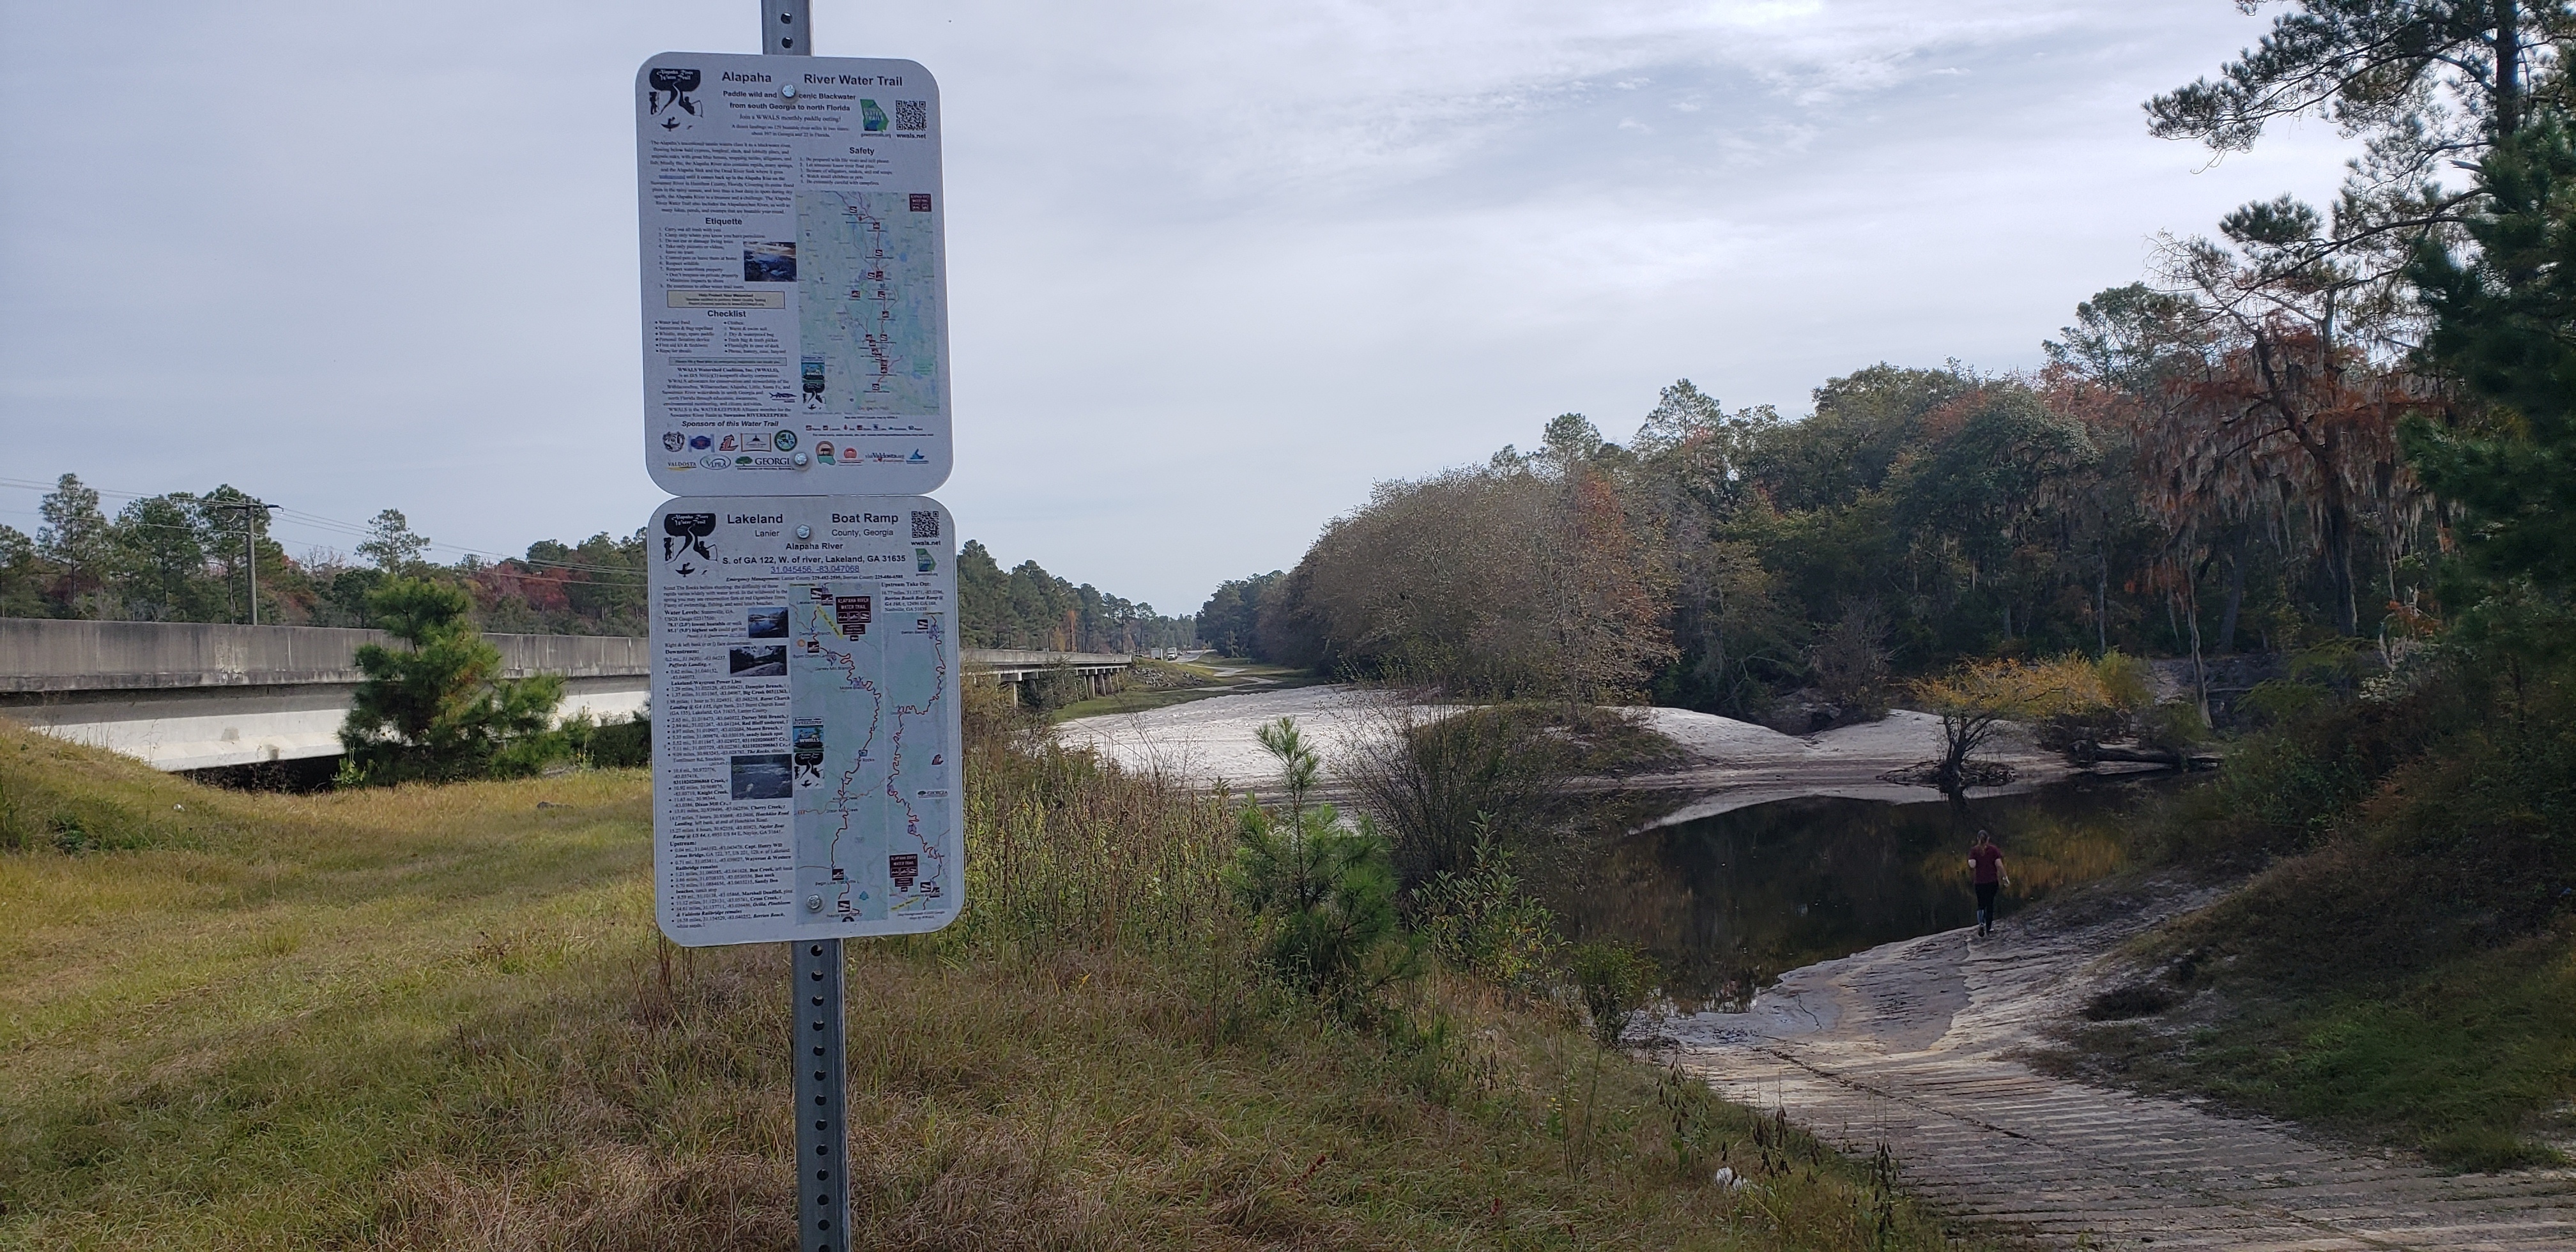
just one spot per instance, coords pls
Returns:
(440, 710)
(2505, 324)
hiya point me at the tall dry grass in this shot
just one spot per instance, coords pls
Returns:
(440, 1017)
(1066, 850)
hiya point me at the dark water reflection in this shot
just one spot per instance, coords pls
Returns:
(1728, 903)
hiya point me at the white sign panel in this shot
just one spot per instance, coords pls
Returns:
(806, 781)
(795, 275)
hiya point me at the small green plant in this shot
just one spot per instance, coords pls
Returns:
(2173, 726)
(1693, 1120)
(1614, 980)
(1321, 894)
(2127, 681)
(1484, 921)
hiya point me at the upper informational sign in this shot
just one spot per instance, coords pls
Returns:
(805, 721)
(795, 275)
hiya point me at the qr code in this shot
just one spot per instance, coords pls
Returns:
(925, 523)
(912, 115)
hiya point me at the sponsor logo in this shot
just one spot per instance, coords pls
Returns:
(700, 443)
(727, 445)
(755, 443)
(784, 441)
(742, 460)
(823, 450)
(677, 466)
(917, 458)
(712, 461)
(671, 441)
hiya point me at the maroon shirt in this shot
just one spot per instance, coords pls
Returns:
(1988, 860)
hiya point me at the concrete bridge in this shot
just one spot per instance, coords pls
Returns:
(192, 695)
(1014, 665)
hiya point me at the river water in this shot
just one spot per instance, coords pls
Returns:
(1728, 903)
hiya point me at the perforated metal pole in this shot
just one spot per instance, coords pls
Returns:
(822, 1127)
(822, 1086)
(786, 28)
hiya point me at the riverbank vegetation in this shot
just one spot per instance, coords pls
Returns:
(440, 1016)
(2400, 966)
(2342, 440)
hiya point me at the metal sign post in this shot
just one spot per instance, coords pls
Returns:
(807, 776)
(822, 1076)
(822, 1089)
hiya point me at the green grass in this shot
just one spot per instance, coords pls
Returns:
(440, 1017)
(2472, 1064)
(2409, 980)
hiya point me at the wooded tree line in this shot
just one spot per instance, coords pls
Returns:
(1027, 607)
(186, 557)
(2269, 444)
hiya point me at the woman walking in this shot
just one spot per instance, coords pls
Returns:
(1986, 870)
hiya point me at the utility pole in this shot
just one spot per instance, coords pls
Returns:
(250, 544)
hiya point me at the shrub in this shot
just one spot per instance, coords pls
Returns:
(624, 744)
(1614, 980)
(2173, 726)
(1447, 780)
(1483, 921)
(2128, 683)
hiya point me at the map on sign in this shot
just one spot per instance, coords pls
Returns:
(806, 774)
(789, 227)
(868, 302)
(870, 697)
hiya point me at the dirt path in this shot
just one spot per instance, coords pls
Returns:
(1912, 1044)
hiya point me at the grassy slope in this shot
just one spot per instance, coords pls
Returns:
(441, 1017)
(2410, 982)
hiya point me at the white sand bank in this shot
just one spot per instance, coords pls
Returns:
(1734, 763)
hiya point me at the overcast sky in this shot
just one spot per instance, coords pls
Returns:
(1215, 268)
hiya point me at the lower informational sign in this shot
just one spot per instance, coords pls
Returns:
(806, 780)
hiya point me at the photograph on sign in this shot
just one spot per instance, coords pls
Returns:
(791, 222)
(806, 779)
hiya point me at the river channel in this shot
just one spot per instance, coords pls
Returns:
(1726, 904)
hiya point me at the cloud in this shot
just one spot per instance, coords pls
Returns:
(1215, 268)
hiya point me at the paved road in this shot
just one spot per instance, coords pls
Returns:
(1911, 1044)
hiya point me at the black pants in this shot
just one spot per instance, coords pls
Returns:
(1985, 900)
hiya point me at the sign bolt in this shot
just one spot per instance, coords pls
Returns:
(804, 532)
(813, 904)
